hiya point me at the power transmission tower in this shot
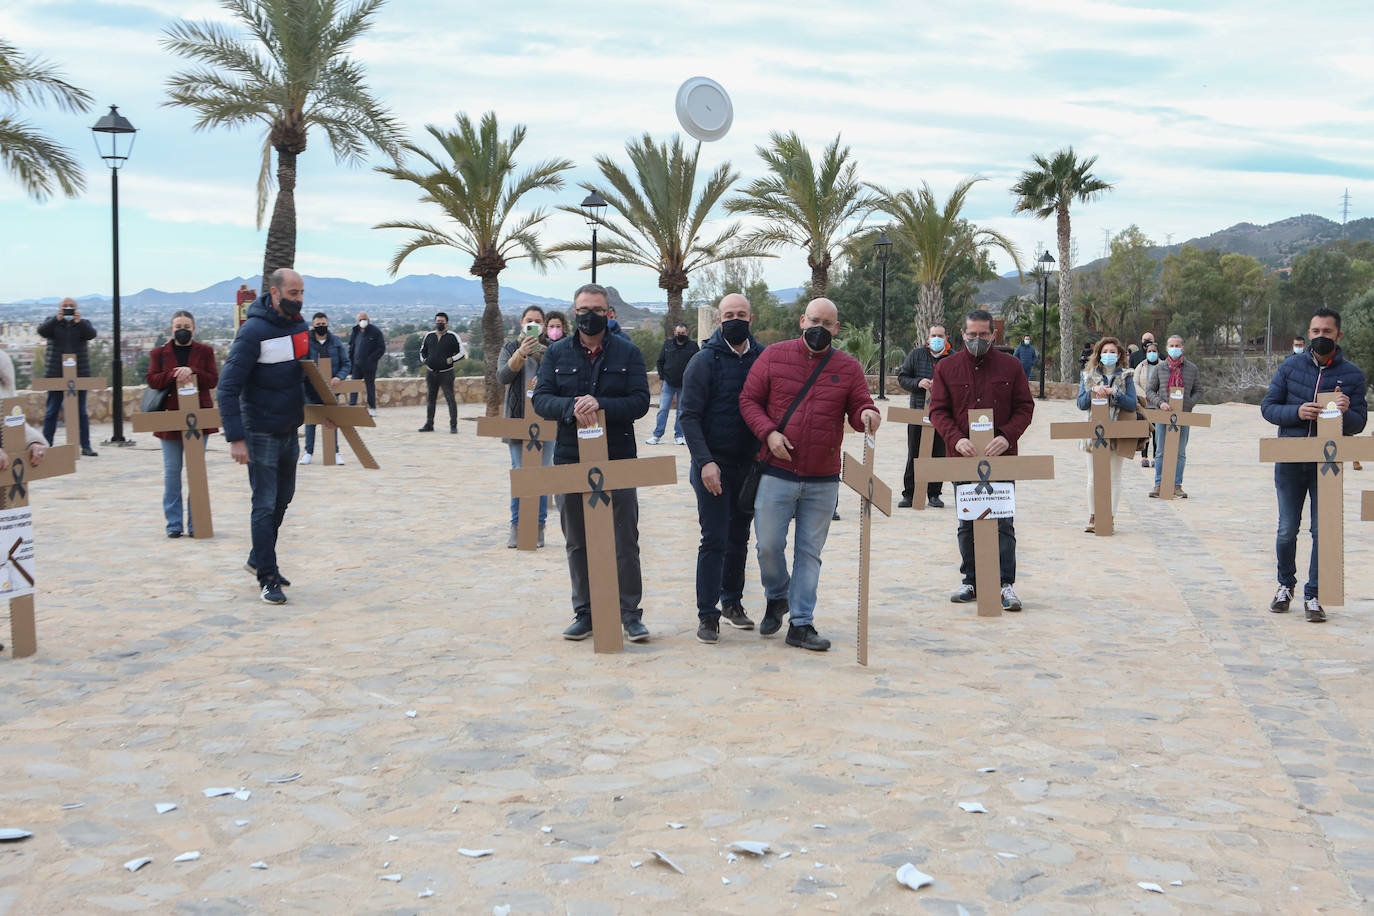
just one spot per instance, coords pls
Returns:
(1106, 243)
(1345, 210)
(1168, 239)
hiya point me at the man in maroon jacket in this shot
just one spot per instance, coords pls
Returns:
(980, 376)
(801, 472)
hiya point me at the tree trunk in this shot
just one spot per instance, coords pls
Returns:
(281, 232)
(820, 276)
(1068, 353)
(491, 343)
(930, 307)
(674, 317)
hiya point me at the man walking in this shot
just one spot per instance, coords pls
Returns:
(366, 347)
(67, 332)
(1175, 372)
(1301, 388)
(672, 363)
(722, 448)
(440, 349)
(323, 345)
(1026, 355)
(593, 370)
(981, 376)
(916, 376)
(262, 404)
(796, 400)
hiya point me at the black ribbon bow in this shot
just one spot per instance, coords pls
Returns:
(71, 387)
(985, 477)
(18, 489)
(596, 480)
(534, 442)
(1100, 432)
(1173, 422)
(1329, 453)
(191, 431)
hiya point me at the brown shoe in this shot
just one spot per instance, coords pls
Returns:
(1179, 494)
(1154, 493)
(1092, 525)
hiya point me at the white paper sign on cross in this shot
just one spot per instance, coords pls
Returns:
(860, 478)
(1174, 420)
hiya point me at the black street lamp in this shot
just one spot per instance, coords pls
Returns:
(1046, 262)
(114, 126)
(882, 248)
(592, 208)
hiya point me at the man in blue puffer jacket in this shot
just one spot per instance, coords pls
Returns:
(722, 447)
(262, 404)
(1301, 388)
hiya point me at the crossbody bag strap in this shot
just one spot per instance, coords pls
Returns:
(816, 373)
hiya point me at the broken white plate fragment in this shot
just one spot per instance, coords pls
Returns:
(188, 856)
(502, 909)
(393, 878)
(586, 860)
(750, 846)
(243, 795)
(164, 807)
(292, 778)
(987, 769)
(676, 826)
(258, 865)
(425, 893)
(218, 791)
(73, 805)
(665, 860)
(12, 834)
(410, 713)
(913, 877)
(136, 864)
(1149, 886)
(476, 853)
(973, 807)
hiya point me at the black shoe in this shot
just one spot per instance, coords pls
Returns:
(1315, 613)
(935, 502)
(174, 534)
(635, 631)
(87, 451)
(581, 628)
(772, 616)
(905, 503)
(427, 428)
(733, 613)
(281, 580)
(272, 593)
(709, 630)
(806, 637)
(836, 516)
(453, 430)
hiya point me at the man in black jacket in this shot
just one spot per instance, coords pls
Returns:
(722, 448)
(917, 375)
(366, 347)
(672, 363)
(440, 349)
(67, 332)
(589, 371)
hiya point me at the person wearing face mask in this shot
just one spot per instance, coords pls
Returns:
(555, 326)
(722, 449)
(518, 370)
(324, 345)
(34, 443)
(981, 376)
(677, 351)
(262, 404)
(180, 365)
(1026, 355)
(67, 332)
(1105, 377)
(801, 463)
(1145, 371)
(1299, 391)
(1299, 346)
(366, 347)
(916, 376)
(1175, 371)
(440, 349)
(1147, 340)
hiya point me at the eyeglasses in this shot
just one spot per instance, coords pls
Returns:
(590, 311)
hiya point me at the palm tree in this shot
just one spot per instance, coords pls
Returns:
(803, 207)
(1048, 190)
(937, 240)
(477, 190)
(291, 73)
(661, 227)
(40, 165)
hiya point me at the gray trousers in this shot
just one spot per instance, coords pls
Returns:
(625, 513)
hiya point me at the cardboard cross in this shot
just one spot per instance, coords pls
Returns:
(1329, 450)
(352, 386)
(594, 476)
(345, 418)
(70, 383)
(188, 421)
(926, 449)
(14, 494)
(1099, 429)
(1174, 419)
(535, 435)
(860, 478)
(987, 569)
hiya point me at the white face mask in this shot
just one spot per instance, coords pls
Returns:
(362, 322)
(1299, 350)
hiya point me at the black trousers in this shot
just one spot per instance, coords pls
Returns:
(625, 517)
(913, 446)
(1006, 551)
(370, 383)
(433, 382)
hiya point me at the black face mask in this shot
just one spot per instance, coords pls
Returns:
(322, 331)
(290, 307)
(817, 338)
(182, 336)
(440, 325)
(1322, 346)
(680, 338)
(591, 323)
(735, 331)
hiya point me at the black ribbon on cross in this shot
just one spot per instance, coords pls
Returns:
(1329, 453)
(71, 387)
(1173, 422)
(191, 431)
(596, 480)
(534, 442)
(1101, 436)
(870, 489)
(18, 489)
(985, 477)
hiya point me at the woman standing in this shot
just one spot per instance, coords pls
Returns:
(518, 370)
(188, 369)
(1105, 379)
(1144, 371)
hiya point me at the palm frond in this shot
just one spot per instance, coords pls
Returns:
(40, 165)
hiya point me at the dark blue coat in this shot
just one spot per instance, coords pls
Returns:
(66, 337)
(617, 379)
(260, 384)
(709, 407)
(339, 364)
(366, 347)
(1299, 380)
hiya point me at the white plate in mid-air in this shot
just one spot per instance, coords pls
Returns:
(704, 109)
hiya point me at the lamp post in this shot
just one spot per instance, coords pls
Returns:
(882, 248)
(114, 126)
(1046, 262)
(592, 208)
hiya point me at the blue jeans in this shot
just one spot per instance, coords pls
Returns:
(666, 395)
(1295, 484)
(54, 406)
(517, 453)
(811, 503)
(1182, 454)
(172, 451)
(272, 477)
(724, 546)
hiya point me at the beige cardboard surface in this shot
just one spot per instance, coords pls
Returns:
(860, 477)
(537, 434)
(71, 383)
(189, 422)
(345, 418)
(1100, 430)
(1173, 421)
(926, 449)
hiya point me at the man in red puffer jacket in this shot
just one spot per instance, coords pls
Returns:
(801, 473)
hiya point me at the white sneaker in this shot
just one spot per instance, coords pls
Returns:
(371, 412)
(652, 440)
(305, 458)
(338, 458)
(681, 440)
(1009, 600)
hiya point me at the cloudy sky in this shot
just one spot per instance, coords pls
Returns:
(1202, 114)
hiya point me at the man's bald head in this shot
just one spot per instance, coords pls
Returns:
(821, 312)
(286, 284)
(734, 305)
